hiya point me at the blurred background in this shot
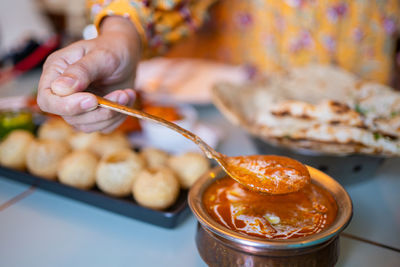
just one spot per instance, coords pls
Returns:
(245, 69)
(27, 24)
(31, 29)
(39, 19)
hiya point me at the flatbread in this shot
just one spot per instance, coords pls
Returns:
(380, 106)
(327, 111)
(316, 108)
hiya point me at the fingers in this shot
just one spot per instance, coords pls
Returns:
(59, 61)
(95, 65)
(54, 67)
(103, 126)
(103, 119)
(74, 104)
(100, 114)
(113, 126)
(69, 71)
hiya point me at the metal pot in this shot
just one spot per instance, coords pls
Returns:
(220, 246)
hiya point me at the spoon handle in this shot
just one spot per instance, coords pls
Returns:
(209, 151)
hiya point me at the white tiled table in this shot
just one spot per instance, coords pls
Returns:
(42, 229)
(10, 189)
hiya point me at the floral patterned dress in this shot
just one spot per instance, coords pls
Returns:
(267, 35)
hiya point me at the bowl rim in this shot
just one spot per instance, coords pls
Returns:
(344, 215)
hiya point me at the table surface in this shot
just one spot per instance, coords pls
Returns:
(38, 228)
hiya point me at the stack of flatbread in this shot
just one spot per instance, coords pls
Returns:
(319, 108)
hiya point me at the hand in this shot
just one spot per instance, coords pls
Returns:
(100, 66)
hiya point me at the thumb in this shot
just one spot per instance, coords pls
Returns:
(78, 76)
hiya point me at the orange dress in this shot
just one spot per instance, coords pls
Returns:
(268, 35)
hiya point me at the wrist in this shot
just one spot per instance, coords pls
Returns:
(118, 25)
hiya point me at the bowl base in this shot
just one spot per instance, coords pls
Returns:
(217, 254)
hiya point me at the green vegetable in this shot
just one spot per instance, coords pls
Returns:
(377, 136)
(273, 219)
(360, 110)
(394, 114)
(10, 121)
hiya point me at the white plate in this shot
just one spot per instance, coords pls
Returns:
(184, 80)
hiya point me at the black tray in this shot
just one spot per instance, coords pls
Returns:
(169, 218)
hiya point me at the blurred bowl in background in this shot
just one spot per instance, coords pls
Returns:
(164, 138)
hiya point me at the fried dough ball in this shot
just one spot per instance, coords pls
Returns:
(55, 129)
(188, 167)
(156, 189)
(117, 171)
(110, 143)
(78, 169)
(13, 149)
(81, 140)
(44, 156)
(155, 158)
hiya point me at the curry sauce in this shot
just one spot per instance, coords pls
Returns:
(269, 173)
(293, 215)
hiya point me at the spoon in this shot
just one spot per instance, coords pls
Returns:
(263, 173)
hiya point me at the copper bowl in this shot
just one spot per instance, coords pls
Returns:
(220, 246)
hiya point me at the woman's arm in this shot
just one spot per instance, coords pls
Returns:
(102, 65)
(127, 29)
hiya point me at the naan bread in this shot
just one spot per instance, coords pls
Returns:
(319, 108)
(327, 111)
(314, 83)
(380, 106)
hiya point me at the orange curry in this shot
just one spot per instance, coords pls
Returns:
(293, 215)
(168, 113)
(269, 173)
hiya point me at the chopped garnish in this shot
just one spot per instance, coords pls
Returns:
(360, 110)
(273, 219)
(377, 136)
